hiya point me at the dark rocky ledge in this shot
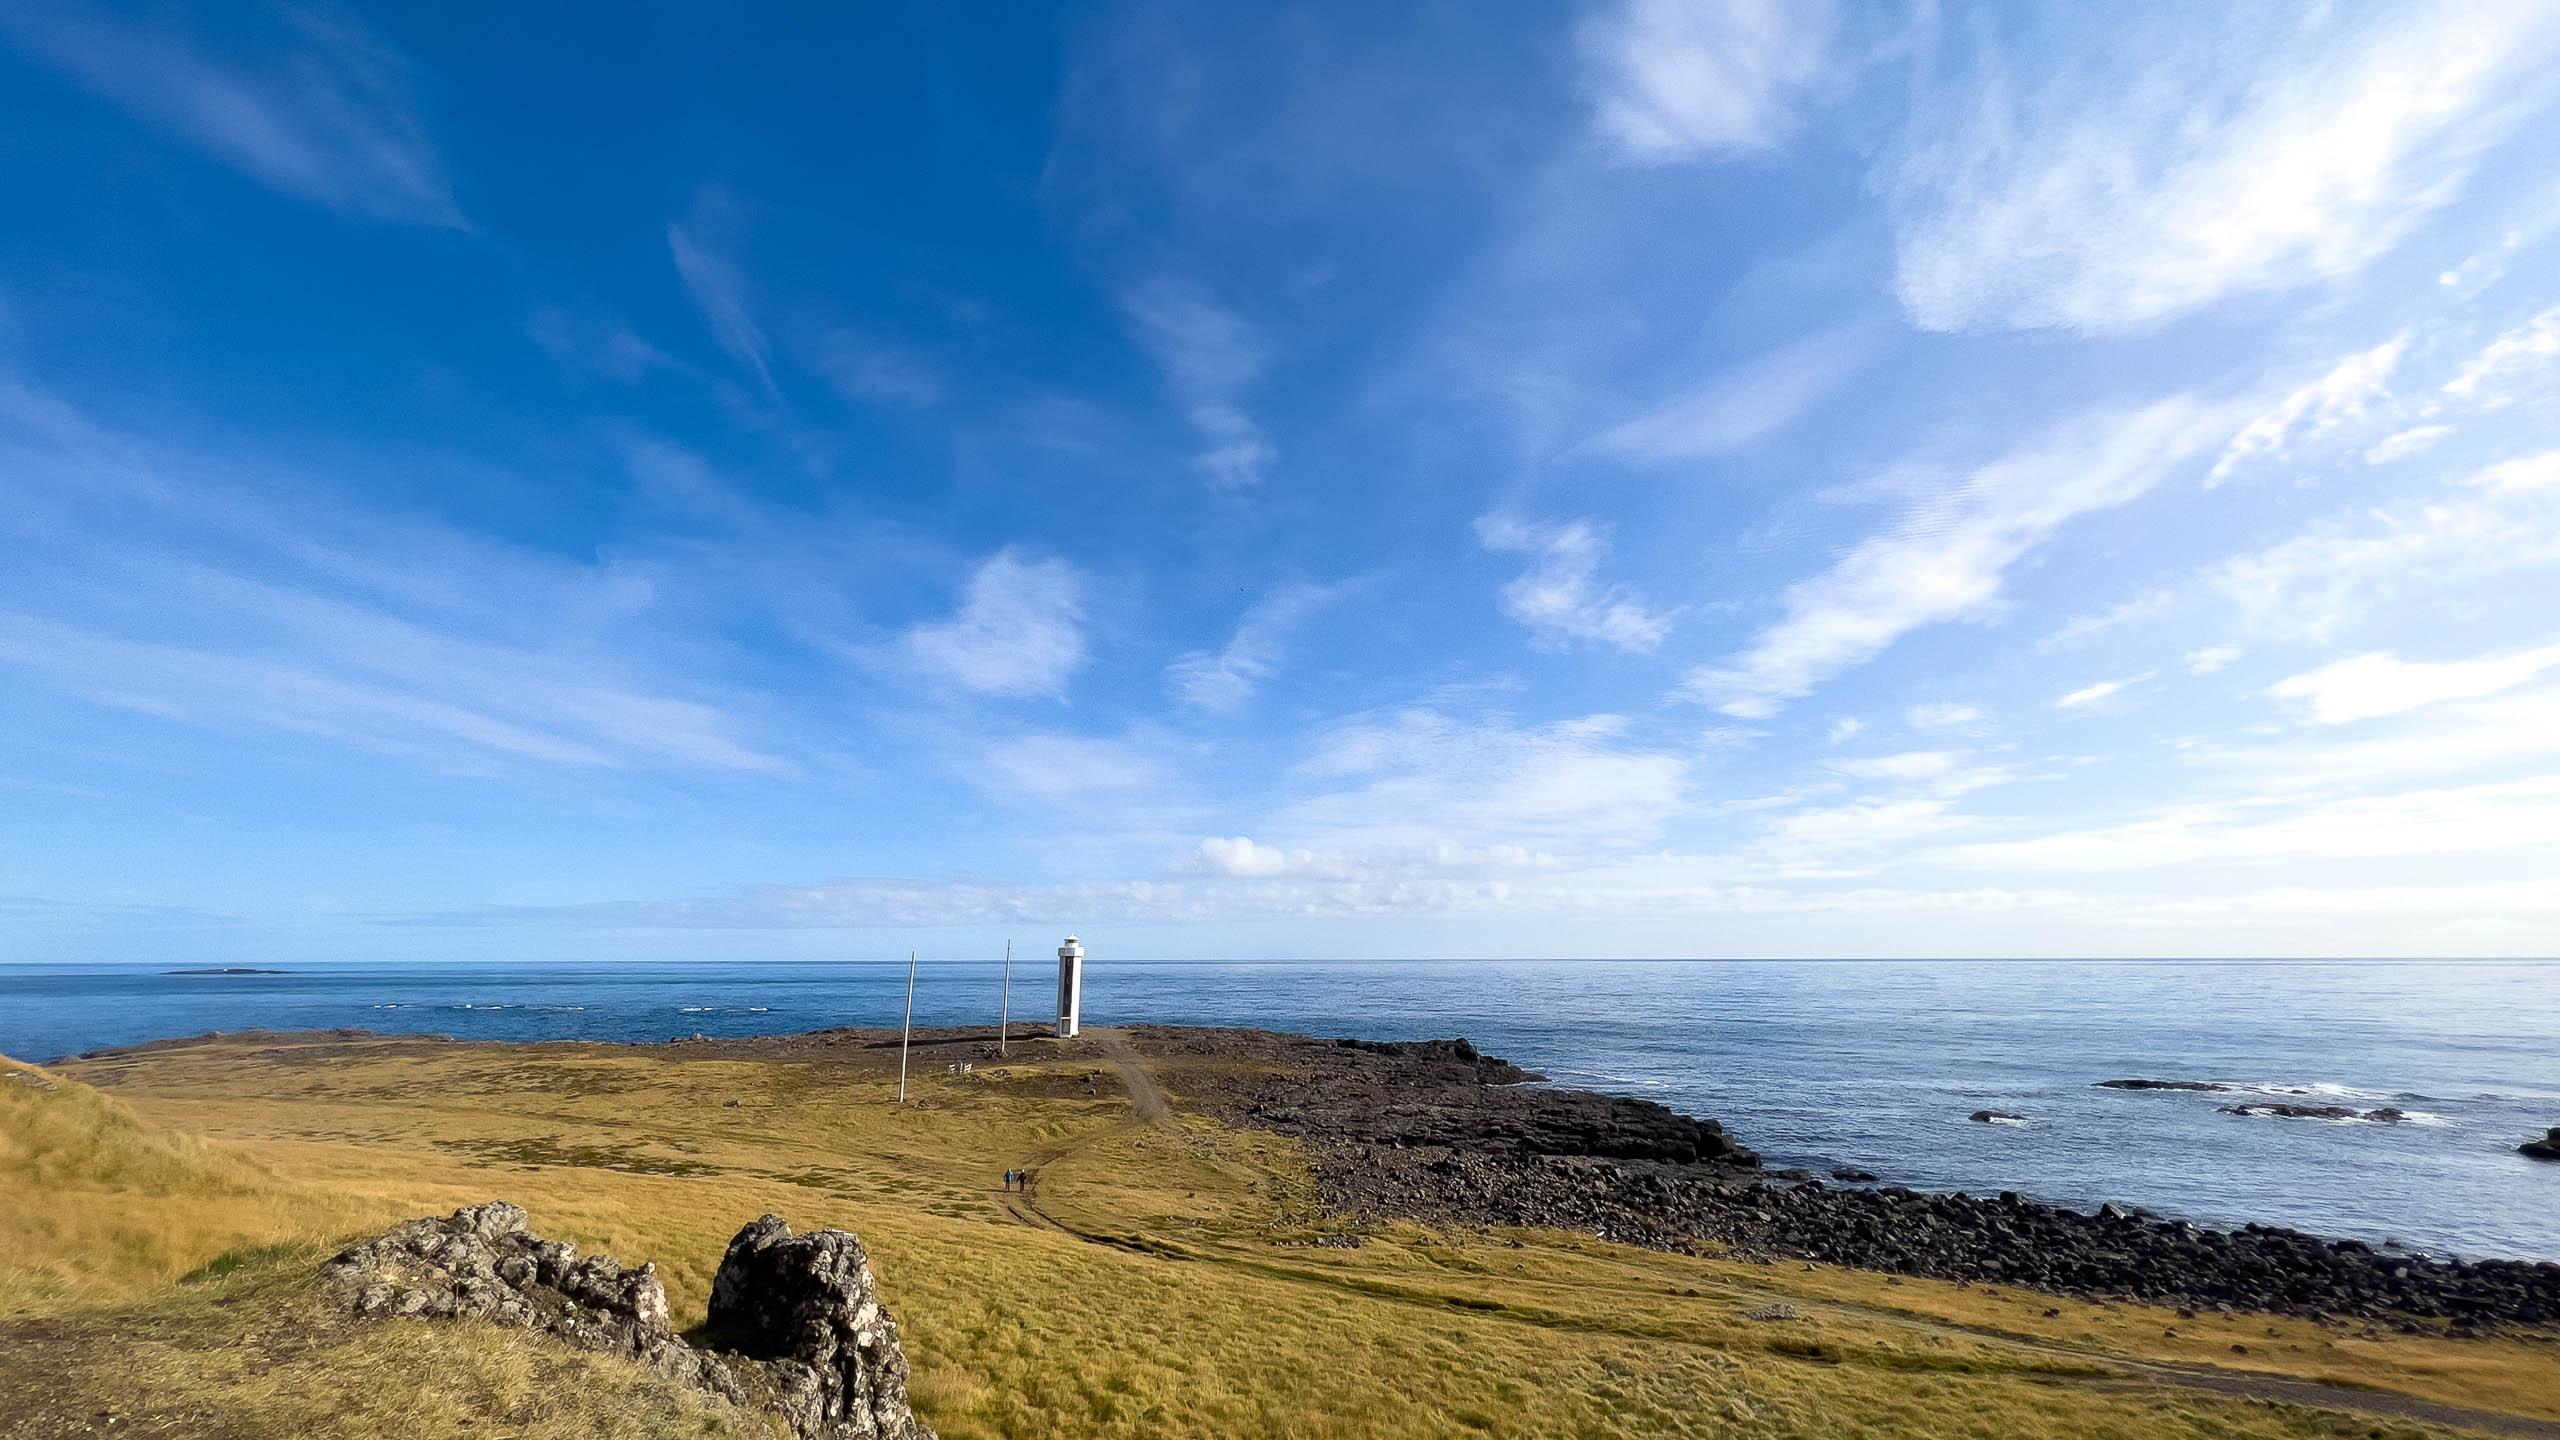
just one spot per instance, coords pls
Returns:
(1411, 1133)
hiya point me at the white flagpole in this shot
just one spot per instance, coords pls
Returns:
(906, 1027)
(1005, 1015)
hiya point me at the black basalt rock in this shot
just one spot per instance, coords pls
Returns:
(2546, 1148)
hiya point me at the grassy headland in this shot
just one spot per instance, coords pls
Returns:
(164, 1209)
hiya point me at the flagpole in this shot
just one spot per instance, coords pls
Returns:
(1005, 1015)
(906, 1027)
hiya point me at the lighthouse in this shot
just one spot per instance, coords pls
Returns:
(1070, 987)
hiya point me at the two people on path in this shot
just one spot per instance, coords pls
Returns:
(1021, 1180)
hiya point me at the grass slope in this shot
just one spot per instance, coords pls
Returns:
(1164, 1283)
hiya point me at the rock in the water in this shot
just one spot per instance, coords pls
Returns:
(2384, 1116)
(2546, 1148)
(813, 1343)
(807, 1305)
(1997, 1117)
(1853, 1175)
(2160, 1085)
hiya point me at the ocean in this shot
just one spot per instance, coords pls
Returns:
(1872, 1064)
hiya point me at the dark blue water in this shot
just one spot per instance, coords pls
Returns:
(1875, 1064)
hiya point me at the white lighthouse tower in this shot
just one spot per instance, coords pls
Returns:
(1070, 987)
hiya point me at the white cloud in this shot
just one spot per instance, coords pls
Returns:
(2517, 353)
(2503, 734)
(2402, 444)
(324, 113)
(1418, 778)
(377, 684)
(2363, 687)
(1019, 629)
(1838, 839)
(1747, 403)
(1909, 765)
(1677, 79)
(173, 586)
(2527, 473)
(2313, 584)
(1560, 599)
(1237, 856)
(1210, 356)
(2502, 815)
(712, 279)
(2210, 659)
(1054, 766)
(2144, 606)
(2316, 409)
(1222, 680)
(1945, 560)
(1944, 715)
(1845, 729)
(2179, 162)
(2088, 695)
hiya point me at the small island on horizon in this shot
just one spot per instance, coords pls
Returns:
(226, 970)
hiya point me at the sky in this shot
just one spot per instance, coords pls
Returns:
(1646, 477)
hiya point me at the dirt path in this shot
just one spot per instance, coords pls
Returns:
(1143, 1092)
(1145, 1097)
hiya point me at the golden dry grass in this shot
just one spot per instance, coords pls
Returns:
(1168, 1290)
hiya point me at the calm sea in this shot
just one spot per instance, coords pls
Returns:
(1872, 1064)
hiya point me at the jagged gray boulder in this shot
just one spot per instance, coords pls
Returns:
(808, 1306)
(798, 1318)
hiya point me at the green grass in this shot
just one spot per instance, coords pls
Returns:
(1160, 1295)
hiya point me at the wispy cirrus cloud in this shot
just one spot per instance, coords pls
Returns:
(1945, 559)
(2450, 820)
(1560, 598)
(1748, 403)
(1679, 79)
(2090, 696)
(1421, 778)
(1019, 629)
(1222, 680)
(2314, 410)
(2487, 379)
(2151, 168)
(1210, 356)
(319, 109)
(169, 586)
(2503, 518)
(700, 246)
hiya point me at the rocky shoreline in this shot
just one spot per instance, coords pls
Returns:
(1440, 1134)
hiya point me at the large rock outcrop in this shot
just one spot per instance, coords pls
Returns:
(809, 1305)
(798, 1318)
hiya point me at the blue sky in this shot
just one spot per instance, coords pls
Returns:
(1659, 477)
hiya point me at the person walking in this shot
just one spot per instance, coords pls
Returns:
(1008, 1179)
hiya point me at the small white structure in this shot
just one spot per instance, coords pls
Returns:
(1070, 987)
